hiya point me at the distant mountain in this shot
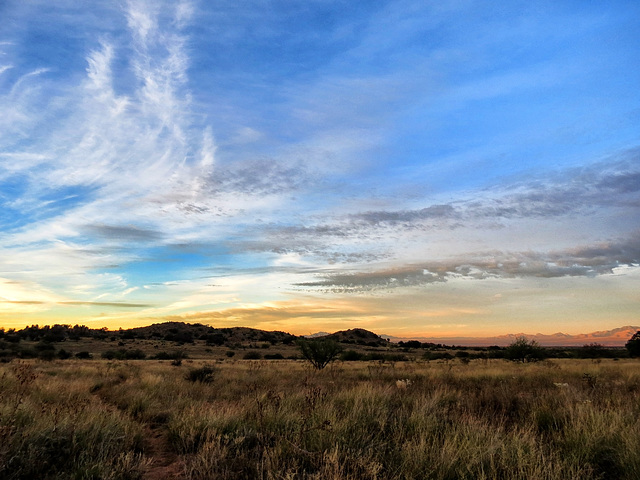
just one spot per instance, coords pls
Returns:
(317, 335)
(616, 337)
(358, 336)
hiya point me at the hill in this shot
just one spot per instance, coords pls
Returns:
(358, 336)
(187, 332)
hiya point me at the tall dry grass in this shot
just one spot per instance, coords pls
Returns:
(51, 426)
(283, 420)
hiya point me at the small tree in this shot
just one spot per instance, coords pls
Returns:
(523, 350)
(633, 345)
(319, 352)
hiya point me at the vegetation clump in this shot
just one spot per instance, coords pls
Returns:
(524, 350)
(123, 354)
(633, 345)
(319, 352)
(204, 374)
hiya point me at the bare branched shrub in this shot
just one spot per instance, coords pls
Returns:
(319, 352)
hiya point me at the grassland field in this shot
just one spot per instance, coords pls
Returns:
(215, 418)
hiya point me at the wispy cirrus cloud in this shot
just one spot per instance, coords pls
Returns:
(95, 152)
(107, 304)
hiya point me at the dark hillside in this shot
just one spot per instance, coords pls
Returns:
(187, 332)
(358, 336)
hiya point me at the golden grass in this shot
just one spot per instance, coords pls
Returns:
(283, 420)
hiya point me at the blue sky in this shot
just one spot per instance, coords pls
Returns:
(415, 168)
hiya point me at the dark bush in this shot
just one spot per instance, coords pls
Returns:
(176, 355)
(523, 350)
(84, 355)
(109, 354)
(123, 354)
(319, 352)
(252, 356)
(633, 345)
(273, 356)
(202, 374)
(375, 357)
(27, 353)
(351, 356)
(396, 357)
(47, 355)
(437, 356)
(63, 354)
(135, 355)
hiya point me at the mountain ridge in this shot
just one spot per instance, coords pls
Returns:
(615, 337)
(187, 332)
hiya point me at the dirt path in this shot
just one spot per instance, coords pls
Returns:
(165, 464)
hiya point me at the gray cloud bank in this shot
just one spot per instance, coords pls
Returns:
(578, 192)
(609, 190)
(584, 261)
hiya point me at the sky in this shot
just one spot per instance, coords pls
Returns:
(409, 167)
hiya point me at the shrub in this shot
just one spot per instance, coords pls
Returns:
(123, 354)
(135, 355)
(523, 350)
(396, 357)
(84, 355)
(27, 353)
(44, 347)
(319, 352)
(202, 374)
(351, 356)
(446, 356)
(63, 354)
(252, 356)
(273, 356)
(633, 345)
(47, 355)
(176, 355)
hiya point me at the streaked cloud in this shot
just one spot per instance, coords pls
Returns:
(584, 261)
(107, 304)
(122, 233)
(259, 162)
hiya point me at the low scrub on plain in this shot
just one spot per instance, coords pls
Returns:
(286, 419)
